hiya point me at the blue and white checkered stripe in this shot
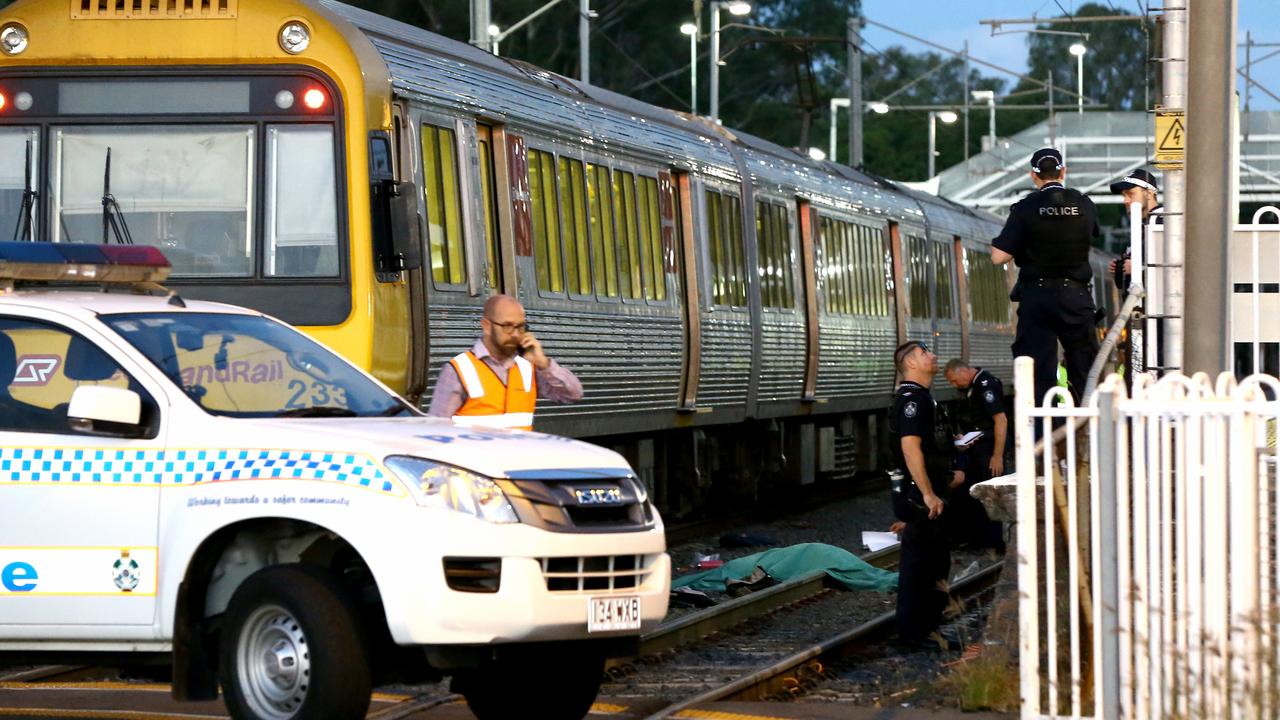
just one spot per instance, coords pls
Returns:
(100, 466)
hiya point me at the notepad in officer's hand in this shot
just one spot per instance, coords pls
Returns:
(968, 438)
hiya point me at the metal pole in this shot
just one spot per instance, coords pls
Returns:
(992, 120)
(1210, 177)
(835, 120)
(693, 73)
(1175, 191)
(1248, 78)
(933, 139)
(1080, 84)
(715, 61)
(854, 25)
(1107, 630)
(1053, 126)
(480, 24)
(966, 100)
(584, 41)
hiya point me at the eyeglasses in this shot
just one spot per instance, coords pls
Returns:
(510, 327)
(922, 346)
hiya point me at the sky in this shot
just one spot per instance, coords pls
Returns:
(951, 22)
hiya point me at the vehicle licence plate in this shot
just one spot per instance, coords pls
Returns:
(613, 613)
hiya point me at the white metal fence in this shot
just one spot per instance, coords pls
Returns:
(1146, 564)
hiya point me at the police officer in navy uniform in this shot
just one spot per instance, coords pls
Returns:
(982, 410)
(922, 471)
(1048, 234)
(1139, 187)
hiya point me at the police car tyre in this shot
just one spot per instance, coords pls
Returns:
(291, 648)
(559, 686)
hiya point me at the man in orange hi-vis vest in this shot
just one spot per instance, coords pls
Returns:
(498, 381)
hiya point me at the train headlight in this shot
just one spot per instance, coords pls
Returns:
(13, 39)
(295, 37)
(445, 487)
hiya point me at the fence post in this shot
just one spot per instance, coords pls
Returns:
(1028, 569)
(1107, 632)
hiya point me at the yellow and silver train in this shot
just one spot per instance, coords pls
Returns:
(730, 305)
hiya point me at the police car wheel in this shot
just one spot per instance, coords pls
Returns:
(291, 648)
(561, 685)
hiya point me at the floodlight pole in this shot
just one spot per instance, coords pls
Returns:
(966, 100)
(933, 141)
(854, 26)
(584, 41)
(480, 24)
(715, 61)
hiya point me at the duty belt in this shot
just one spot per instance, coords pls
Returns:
(1056, 283)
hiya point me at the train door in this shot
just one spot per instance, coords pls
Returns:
(686, 256)
(494, 167)
(415, 278)
(808, 219)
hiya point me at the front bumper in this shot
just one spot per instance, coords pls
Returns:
(423, 610)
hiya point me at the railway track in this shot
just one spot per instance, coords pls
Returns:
(807, 665)
(691, 628)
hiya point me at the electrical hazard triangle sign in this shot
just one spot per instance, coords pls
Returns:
(1171, 140)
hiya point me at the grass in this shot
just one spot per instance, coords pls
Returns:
(988, 681)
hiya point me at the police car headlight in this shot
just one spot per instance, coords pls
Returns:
(446, 487)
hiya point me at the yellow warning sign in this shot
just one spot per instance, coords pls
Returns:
(1171, 140)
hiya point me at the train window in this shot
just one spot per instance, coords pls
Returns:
(944, 260)
(444, 206)
(573, 218)
(853, 268)
(917, 276)
(19, 179)
(302, 221)
(628, 241)
(651, 240)
(764, 254)
(988, 289)
(546, 222)
(774, 259)
(724, 229)
(487, 195)
(602, 243)
(866, 270)
(835, 295)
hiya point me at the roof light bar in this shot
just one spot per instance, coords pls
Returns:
(81, 262)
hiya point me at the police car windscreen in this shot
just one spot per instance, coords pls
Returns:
(249, 366)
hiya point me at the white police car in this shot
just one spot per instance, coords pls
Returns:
(200, 480)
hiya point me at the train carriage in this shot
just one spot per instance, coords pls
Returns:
(373, 182)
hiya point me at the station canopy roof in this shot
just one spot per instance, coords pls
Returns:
(1098, 149)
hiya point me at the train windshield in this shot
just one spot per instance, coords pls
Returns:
(235, 178)
(192, 190)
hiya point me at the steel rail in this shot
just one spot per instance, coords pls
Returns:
(784, 673)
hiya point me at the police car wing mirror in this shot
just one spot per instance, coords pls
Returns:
(103, 410)
(406, 227)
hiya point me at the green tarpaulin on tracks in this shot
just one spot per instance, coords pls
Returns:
(796, 561)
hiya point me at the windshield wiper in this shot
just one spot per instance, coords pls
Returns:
(112, 215)
(317, 412)
(22, 231)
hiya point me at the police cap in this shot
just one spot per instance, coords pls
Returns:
(1038, 156)
(1136, 178)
